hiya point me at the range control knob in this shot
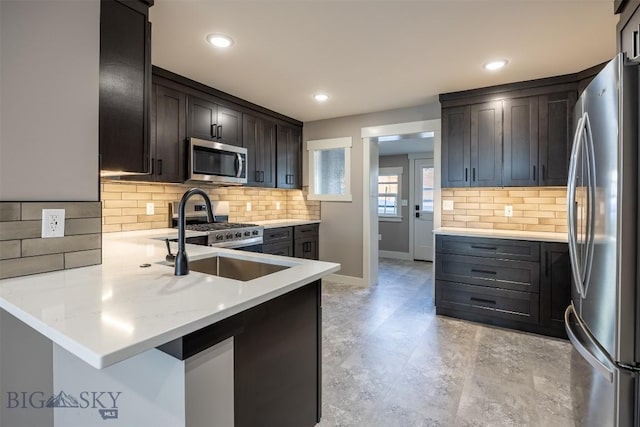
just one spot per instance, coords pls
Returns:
(229, 236)
(238, 234)
(254, 232)
(219, 237)
(247, 233)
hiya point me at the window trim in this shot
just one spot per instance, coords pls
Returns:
(330, 144)
(387, 171)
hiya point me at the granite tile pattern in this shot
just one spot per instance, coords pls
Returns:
(388, 360)
(23, 252)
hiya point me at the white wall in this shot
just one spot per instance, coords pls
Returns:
(341, 228)
(395, 235)
(49, 59)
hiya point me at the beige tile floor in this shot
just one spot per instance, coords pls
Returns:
(388, 360)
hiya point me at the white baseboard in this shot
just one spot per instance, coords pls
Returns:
(395, 255)
(347, 280)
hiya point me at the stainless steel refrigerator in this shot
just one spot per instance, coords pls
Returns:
(602, 321)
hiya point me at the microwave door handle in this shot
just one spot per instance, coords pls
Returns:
(571, 208)
(240, 164)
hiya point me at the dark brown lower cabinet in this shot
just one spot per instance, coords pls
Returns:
(301, 241)
(277, 358)
(500, 288)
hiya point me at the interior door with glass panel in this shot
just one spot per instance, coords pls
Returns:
(424, 182)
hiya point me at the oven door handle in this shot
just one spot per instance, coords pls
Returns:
(240, 165)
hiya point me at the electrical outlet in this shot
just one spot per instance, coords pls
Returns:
(277, 206)
(151, 208)
(52, 223)
(248, 206)
(379, 237)
(508, 210)
(447, 205)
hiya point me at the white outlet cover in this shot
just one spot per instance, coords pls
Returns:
(508, 210)
(447, 205)
(248, 206)
(405, 202)
(277, 206)
(379, 236)
(150, 208)
(52, 223)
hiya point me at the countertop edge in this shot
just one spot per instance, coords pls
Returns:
(538, 236)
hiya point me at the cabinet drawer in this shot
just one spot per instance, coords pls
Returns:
(281, 248)
(495, 248)
(305, 230)
(505, 274)
(495, 303)
(273, 235)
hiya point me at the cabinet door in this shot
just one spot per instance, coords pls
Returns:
(259, 138)
(555, 137)
(171, 135)
(486, 144)
(288, 147)
(521, 142)
(306, 247)
(125, 86)
(203, 116)
(555, 284)
(456, 146)
(629, 31)
(229, 126)
(250, 141)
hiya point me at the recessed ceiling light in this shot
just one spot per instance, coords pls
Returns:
(321, 97)
(495, 65)
(219, 40)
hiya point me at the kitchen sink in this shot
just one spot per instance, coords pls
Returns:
(234, 268)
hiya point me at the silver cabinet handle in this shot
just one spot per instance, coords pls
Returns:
(604, 370)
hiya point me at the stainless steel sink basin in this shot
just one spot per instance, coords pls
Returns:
(234, 268)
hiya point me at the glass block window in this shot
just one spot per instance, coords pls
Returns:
(330, 169)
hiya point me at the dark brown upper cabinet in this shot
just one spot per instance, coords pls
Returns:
(520, 142)
(213, 122)
(555, 120)
(472, 154)
(170, 143)
(259, 138)
(456, 153)
(486, 144)
(125, 86)
(519, 134)
(289, 152)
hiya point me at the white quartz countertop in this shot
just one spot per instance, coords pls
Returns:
(107, 313)
(275, 223)
(504, 234)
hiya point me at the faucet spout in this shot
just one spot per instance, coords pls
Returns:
(182, 261)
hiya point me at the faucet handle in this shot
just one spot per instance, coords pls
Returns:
(170, 257)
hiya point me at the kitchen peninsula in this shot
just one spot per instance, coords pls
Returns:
(193, 350)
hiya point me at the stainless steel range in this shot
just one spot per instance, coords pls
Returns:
(221, 233)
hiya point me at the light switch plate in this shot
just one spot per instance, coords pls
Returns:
(405, 202)
(447, 205)
(150, 208)
(52, 223)
(508, 211)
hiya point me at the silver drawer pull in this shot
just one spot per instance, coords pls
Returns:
(473, 270)
(488, 248)
(486, 301)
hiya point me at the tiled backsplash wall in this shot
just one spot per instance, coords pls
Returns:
(23, 252)
(124, 204)
(534, 208)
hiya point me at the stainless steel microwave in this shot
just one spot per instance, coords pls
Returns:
(216, 163)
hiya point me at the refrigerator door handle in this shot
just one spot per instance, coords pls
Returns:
(597, 364)
(571, 208)
(591, 205)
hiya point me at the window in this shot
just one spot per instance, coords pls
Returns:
(330, 169)
(427, 189)
(389, 193)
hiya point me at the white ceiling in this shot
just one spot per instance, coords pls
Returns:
(373, 55)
